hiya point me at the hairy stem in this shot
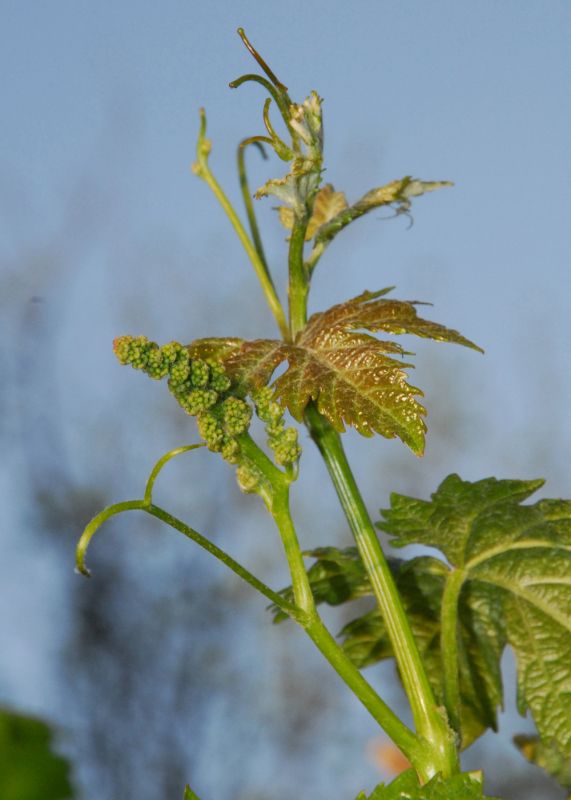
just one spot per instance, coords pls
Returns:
(429, 723)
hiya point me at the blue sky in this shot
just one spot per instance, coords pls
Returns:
(103, 223)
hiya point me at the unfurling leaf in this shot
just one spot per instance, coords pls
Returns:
(464, 786)
(396, 193)
(355, 379)
(328, 203)
(515, 563)
(299, 186)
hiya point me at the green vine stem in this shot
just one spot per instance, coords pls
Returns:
(277, 501)
(202, 170)
(429, 722)
(298, 279)
(303, 611)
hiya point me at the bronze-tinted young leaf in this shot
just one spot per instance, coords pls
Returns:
(520, 555)
(213, 348)
(353, 377)
(328, 203)
(399, 193)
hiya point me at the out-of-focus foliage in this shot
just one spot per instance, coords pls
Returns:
(29, 769)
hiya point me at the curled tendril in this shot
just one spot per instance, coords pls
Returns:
(281, 148)
(128, 505)
(271, 75)
(149, 507)
(163, 461)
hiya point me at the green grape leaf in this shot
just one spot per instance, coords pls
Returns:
(28, 767)
(515, 563)
(464, 786)
(547, 756)
(339, 576)
(421, 582)
(354, 378)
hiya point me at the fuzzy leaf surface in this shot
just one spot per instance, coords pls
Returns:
(355, 379)
(465, 786)
(516, 565)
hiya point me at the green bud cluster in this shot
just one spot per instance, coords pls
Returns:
(249, 477)
(200, 387)
(283, 441)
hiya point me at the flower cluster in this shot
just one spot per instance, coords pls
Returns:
(283, 441)
(204, 390)
(201, 387)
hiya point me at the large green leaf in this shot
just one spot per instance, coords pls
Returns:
(465, 786)
(29, 769)
(515, 566)
(339, 576)
(355, 379)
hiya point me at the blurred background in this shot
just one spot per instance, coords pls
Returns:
(163, 669)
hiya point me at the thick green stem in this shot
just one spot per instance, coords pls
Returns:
(429, 722)
(449, 646)
(276, 496)
(412, 747)
(300, 582)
